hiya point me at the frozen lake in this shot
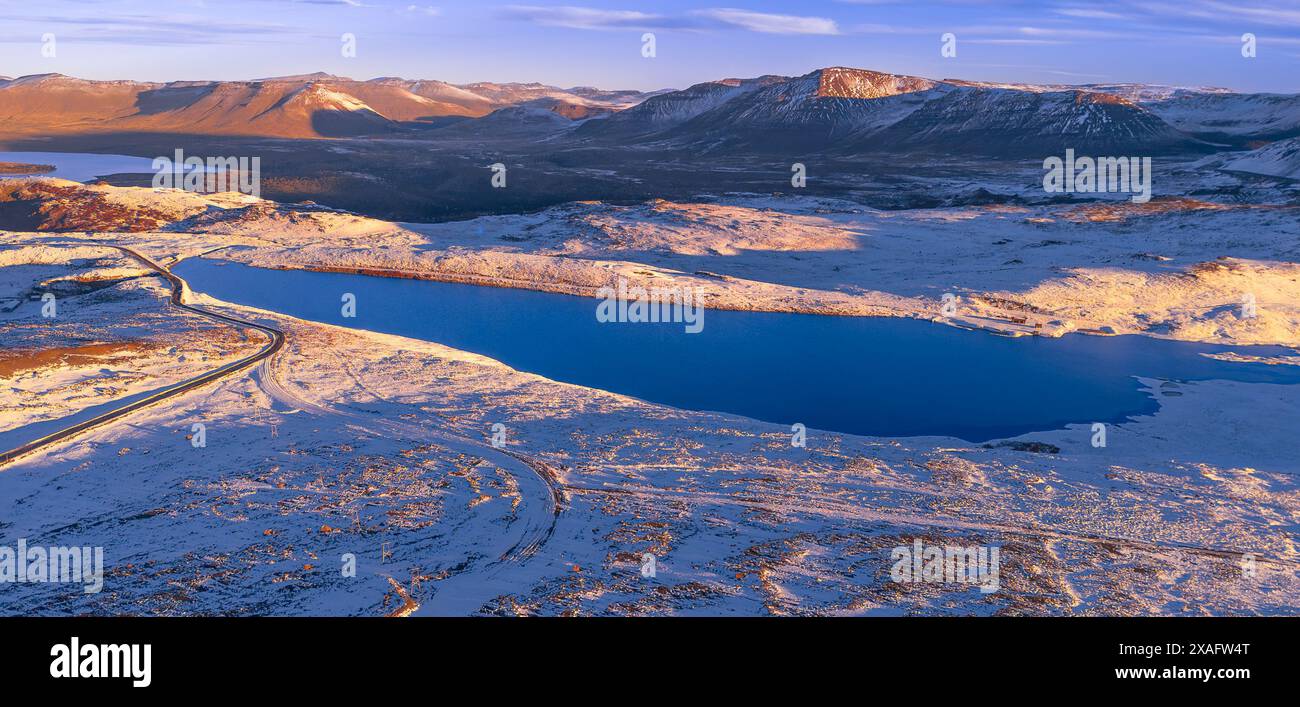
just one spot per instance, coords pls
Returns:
(869, 376)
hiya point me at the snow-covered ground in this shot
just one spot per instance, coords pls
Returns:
(1281, 159)
(1177, 267)
(110, 335)
(380, 447)
(354, 444)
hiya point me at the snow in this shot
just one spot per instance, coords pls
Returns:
(1063, 268)
(111, 338)
(1174, 268)
(381, 450)
(377, 446)
(317, 96)
(1228, 113)
(1279, 159)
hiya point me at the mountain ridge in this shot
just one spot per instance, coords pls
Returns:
(314, 105)
(835, 108)
(847, 111)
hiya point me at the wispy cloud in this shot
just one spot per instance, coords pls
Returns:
(1070, 33)
(1089, 13)
(588, 17)
(344, 3)
(132, 29)
(770, 23)
(574, 17)
(1283, 14)
(1188, 23)
(1264, 39)
(1016, 42)
(336, 3)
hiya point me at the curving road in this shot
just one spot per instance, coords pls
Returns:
(538, 485)
(276, 341)
(470, 586)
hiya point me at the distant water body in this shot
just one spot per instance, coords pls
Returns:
(79, 166)
(871, 376)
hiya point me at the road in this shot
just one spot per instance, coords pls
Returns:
(275, 342)
(465, 589)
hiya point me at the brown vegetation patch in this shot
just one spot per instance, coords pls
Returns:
(1124, 210)
(42, 206)
(21, 361)
(24, 168)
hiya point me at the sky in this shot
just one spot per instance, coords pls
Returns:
(596, 43)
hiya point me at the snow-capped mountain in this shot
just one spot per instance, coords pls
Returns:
(1229, 116)
(1006, 121)
(302, 106)
(852, 110)
(1278, 159)
(833, 110)
(675, 107)
(830, 107)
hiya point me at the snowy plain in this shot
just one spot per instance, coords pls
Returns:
(357, 443)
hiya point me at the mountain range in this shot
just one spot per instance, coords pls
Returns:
(856, 110)
(306, 106)
(837, 109)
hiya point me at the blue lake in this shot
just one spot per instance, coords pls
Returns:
(869, 376)
(80, 166)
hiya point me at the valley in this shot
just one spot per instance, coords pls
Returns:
(920, 344)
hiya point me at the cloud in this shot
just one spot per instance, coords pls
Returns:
(426, 10)
(1089, 14)
(1289, 15)
(1017, 42)
(1265, 13)
(589, 17)
(1068, 33)
(878, 28)
(769, 23)
(131, 29)
(338, 3)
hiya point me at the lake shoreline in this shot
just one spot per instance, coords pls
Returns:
(854, 375)
(75, 166)
(1009, 327)
(24, 169)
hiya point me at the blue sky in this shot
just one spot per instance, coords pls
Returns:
(1184, 42)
